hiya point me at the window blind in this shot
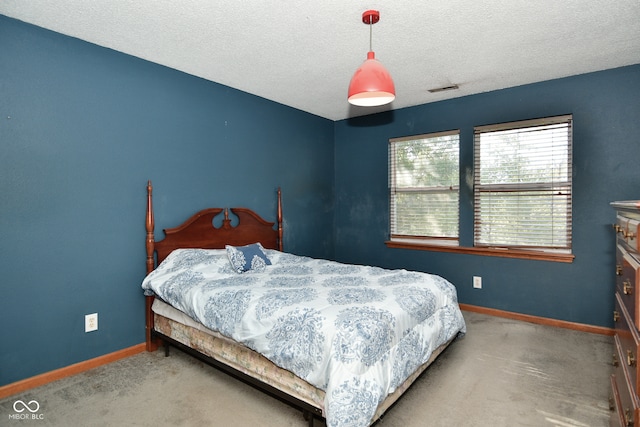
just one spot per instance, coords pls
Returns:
(423, 186)
(522, 184)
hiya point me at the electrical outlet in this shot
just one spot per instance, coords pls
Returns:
(91, 322)
(477, 282)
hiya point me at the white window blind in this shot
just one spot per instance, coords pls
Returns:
(522, 184)
(424, 186)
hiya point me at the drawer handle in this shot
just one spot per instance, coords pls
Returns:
(627, 288)
(631, 359)
(628, 234)
(618, 270)
(614, 360)
(616, 315)
(617, 228)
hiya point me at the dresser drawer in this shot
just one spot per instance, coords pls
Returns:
(620, 417)
(627, 407)
(631, 236)
(627, 283)
(627, 231)
(627, 345)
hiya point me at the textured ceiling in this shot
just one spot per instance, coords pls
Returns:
(303, 53)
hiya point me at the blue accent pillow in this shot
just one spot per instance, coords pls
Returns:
(245, 258)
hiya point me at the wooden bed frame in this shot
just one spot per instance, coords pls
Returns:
(199, 232)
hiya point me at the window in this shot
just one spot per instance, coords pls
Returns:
(522, 184)
(517, 203)
(424, 187)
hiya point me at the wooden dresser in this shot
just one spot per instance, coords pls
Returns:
(625, 379)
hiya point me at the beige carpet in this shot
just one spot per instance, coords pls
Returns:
(502, 373)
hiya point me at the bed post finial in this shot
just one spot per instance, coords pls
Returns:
(280, 245)
(226, 222)
(150, 225)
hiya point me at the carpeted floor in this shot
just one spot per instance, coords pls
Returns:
(502, 373)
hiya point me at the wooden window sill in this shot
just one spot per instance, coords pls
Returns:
(497, 252)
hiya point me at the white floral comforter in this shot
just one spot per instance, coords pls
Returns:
(356, 332)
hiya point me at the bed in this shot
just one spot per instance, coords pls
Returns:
(341, 342)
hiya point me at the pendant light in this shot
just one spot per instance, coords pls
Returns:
(371, 84)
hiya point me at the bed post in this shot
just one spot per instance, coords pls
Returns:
(279, 220)
(150, 225)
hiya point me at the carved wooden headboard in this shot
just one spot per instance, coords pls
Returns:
(200, 232)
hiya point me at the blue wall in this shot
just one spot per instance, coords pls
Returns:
(82, 129)
(606, 160)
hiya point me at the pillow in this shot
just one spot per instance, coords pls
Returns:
(245, 258)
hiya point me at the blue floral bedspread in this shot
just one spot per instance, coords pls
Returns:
(356, 332)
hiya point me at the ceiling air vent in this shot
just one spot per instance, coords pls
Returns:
(445, 88)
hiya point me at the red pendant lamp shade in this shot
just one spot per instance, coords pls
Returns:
(371, 84)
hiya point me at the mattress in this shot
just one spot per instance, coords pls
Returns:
(357, 333)
(180, 327)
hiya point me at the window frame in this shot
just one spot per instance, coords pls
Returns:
(395, 189)
(553, 187)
